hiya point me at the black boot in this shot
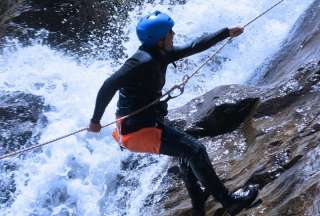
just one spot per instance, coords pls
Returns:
(198, 212)
(240, 199)
(198, 203)
(232, 202)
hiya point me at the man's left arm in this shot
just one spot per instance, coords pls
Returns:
(202, 43)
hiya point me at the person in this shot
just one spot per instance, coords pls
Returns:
(140, 81)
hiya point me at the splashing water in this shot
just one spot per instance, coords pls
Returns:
(80, 175)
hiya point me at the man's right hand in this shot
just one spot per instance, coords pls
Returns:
(94, 127)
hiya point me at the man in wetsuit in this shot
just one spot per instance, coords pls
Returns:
(140, 81)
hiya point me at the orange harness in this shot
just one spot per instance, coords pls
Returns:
(145, 140)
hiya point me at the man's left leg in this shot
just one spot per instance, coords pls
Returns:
(197, 194)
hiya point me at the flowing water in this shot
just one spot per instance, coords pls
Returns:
(81, 175)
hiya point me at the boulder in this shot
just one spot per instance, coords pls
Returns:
(219, 111)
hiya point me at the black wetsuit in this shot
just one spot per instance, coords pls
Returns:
(140, 81)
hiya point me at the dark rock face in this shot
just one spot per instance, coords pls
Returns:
(8, 9)
(302, 81)
(85, 27)
(285, 138)
(20, 114)
(79, 26)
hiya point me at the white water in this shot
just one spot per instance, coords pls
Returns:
(70, 89)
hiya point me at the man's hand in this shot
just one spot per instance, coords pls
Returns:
(236, 31)
(94, 127)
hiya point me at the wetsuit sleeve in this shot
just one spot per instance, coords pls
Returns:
(108, 90)
(198, 45)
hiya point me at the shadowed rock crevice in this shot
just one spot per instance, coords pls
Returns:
(224, 118)
(262, 177)
(217, 112)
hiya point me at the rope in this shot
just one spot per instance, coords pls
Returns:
(167, 94)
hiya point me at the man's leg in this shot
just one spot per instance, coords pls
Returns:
(179, 144)
(195, 159)
(197, 195)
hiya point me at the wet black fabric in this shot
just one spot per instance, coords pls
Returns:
(194, 164)
(195, 167)
(141, 78)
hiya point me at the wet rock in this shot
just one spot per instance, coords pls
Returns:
(219, 111)
(8, 9)
(7, 183)
(316, 127)
(174, 170)
(300, 47)
(20, 114)
(74, 25)
(280, 151)
(89, 28)
(136, 171)
(289, 90)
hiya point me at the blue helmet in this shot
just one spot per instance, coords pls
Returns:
(153, 27)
